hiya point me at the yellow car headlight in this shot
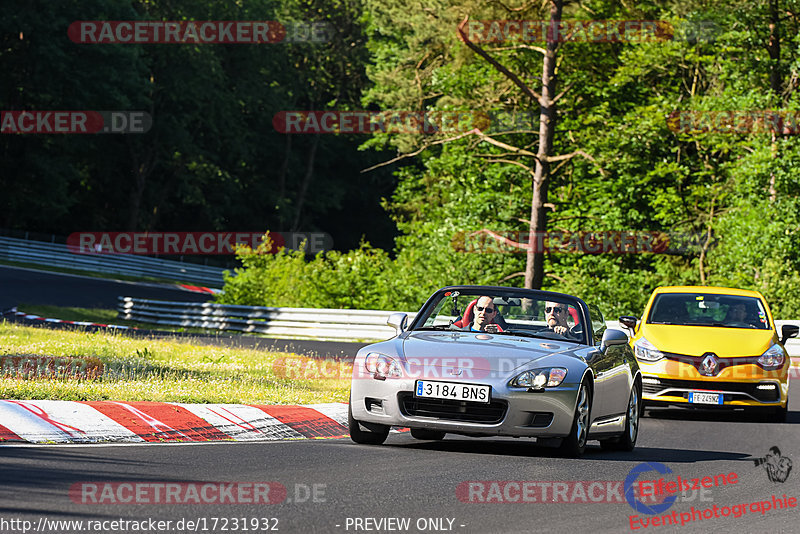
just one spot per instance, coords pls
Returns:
(772, 358)
(646, 351)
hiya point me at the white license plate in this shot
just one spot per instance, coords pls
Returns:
(704, 397)
(450, 390)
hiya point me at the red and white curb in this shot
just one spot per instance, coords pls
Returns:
(30, 317)
(52, 421)
(200, 289)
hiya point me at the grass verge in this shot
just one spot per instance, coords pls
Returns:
(136, 369)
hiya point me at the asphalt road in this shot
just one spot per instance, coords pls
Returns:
(337, 486)
(408, 479)
(41, 287)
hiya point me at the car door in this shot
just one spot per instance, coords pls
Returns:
(613, 379)
(618, 380)
(600, 364)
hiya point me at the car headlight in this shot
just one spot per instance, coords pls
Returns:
(540, 378)
(646, 351)
(382, 366)
(772, 358)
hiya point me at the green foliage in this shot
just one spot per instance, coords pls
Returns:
(361, 278)
(214, 161)
(268, 278)
(631, 172)
(757, 249)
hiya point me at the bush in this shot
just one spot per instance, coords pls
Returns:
(360, 279)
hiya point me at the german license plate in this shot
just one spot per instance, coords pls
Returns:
(705, 397)
(450, 390)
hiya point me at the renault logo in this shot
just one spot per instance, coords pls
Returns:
(708, 366)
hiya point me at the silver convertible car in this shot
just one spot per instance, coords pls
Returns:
(496, 361)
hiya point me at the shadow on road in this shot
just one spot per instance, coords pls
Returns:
(726, 416)
(527, 447)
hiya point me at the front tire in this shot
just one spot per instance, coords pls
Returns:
(370, 434)
(575, 443)
(426, 434)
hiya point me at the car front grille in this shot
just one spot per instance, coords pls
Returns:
(452, 410)
(721, 363)
(731, 390)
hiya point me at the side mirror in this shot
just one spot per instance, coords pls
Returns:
(787, 331)
(399, 321)
(629, 321)
(613, 337)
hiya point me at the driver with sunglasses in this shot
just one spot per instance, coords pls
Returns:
(555, 314)
(484, 314)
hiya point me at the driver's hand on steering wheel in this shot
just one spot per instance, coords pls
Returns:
(560, 330)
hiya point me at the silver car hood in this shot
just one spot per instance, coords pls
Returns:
(438, 353)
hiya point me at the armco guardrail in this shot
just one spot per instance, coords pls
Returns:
(58, 255)
(298, 323)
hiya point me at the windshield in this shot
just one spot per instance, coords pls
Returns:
(698, 309)
(505, 312)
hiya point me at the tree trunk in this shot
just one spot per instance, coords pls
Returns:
(775, 81)
(534, 268)
(142, 164)
(284, 168)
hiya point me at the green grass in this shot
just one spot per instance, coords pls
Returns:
(137, 369)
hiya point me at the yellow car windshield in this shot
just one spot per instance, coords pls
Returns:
(698, 309)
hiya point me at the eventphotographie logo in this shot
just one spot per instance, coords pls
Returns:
(666, 491)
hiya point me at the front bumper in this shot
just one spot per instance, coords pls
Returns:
(668, 382)
(511, 412)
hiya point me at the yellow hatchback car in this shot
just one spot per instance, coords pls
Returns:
(707, 347)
